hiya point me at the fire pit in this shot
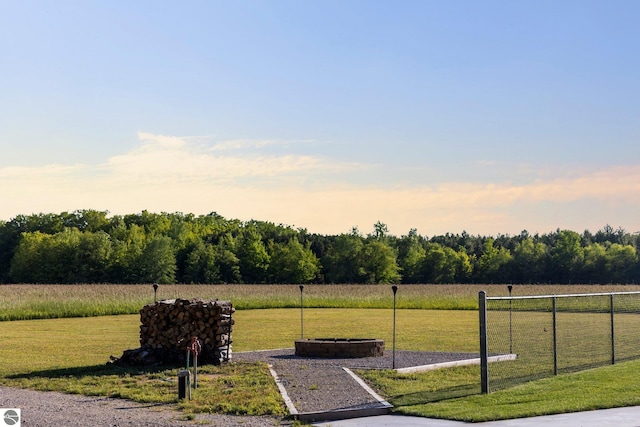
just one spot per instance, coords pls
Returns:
(340, 347)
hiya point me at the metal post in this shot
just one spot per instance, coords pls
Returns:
(195, 348)
(394, 288)
(301, 314)
(195, 370)
(555, 338)
(484, 355)
(184, 384)
(613, 340)
(510, 287)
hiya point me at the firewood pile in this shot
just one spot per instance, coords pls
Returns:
(168, 327)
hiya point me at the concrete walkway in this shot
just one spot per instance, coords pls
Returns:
(618, 417)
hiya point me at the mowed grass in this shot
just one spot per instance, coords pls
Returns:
(37, 345)
(23, 302)
(601, 388)
(426, 330)
(70, 355)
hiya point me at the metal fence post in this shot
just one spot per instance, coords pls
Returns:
(394, 288)
(555, 337)
(613, 340)
(510, 287)
(484, 355)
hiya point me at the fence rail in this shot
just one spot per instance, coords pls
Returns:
(552, 334)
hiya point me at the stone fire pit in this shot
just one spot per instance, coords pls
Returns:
(339, 347)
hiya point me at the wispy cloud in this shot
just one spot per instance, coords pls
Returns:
(166, 160)
(241, 144)
(166, 173)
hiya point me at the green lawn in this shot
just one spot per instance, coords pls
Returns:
(70, 355)
(607, 387)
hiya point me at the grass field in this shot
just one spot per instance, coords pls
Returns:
(69, 354)
(23, 302)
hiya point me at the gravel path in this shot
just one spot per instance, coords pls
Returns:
(315, 384)
(312, 384)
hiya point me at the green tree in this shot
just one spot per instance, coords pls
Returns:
(343, 259)
(493, 264)
(28, 264)
(293, 263)
(380, 231)
(86, 220)
(435, 263)
(380, 263)
(46, 258)
(567, 256)
(464, 267)
(621, 261)
(128, 243)
(93, 257)
(253, 257)
(442, 264)
(227, 260)
(529, 261)
(595, 268)
(157, 263)
(411, 256)
(201, 265)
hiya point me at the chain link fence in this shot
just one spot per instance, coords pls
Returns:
(552, 334)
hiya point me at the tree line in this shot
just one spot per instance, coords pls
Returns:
(89, 246)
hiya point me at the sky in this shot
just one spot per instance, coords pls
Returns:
(490, 117)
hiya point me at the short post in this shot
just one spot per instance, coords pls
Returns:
(510, 287)
(394, 288)
(195, 370)
(195, 348)
(155, 292)
(184, 384)
(301, 314)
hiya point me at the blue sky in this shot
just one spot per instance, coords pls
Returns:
(489, 117)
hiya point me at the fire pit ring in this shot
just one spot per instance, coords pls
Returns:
(339, 347)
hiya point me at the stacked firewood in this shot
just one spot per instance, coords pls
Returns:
(169, 327)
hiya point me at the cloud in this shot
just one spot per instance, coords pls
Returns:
(166, 173)
(241, 144)
(166, 160)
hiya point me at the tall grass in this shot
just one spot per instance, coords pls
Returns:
(25, 302)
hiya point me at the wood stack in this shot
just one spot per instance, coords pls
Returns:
(168, 327)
